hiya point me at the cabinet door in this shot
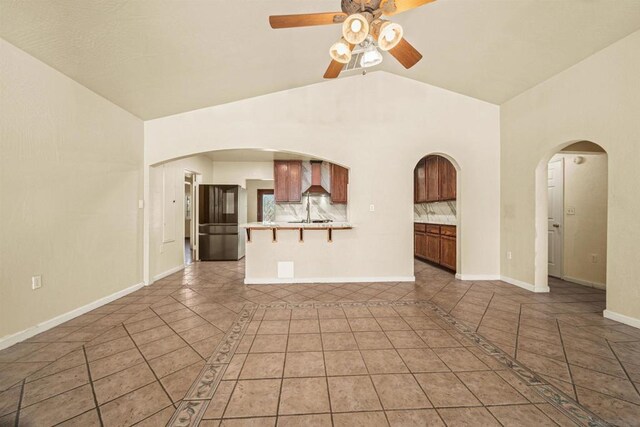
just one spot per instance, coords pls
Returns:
(433, 247)
(432, 184)
(448, 252)
(295, 180)
(420, 183)
(281, 180)
(420, 245)
(447, 176)
(339, 183)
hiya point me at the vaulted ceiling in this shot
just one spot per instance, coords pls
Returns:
(160, 57)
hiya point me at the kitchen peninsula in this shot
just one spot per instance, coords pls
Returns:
(305, 242)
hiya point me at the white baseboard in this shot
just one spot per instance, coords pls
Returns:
(9, 340)
(477, 276)
(631, 321)
(275, 281)
(596, 285)
(168, 272)
(524, 285)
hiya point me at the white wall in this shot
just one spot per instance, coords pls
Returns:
(166, 257)
(70, 181)
(388, 124)
(596, 100)
(585, 232)
(237, 173)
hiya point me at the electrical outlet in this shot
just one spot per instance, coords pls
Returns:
(372, 208)
(509, 255)
(36, 282)
(594, 258)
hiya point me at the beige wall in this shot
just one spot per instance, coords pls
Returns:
(596, 100)
(585, 232)
(70, 181)
(166, 257)
(237, 173)
(253, 185)
(389, 123)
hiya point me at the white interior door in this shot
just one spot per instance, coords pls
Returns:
(555, 186)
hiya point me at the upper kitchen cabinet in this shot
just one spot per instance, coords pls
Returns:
(287, 176)
(447, 179)
(339, 183)
(434, 180)
(420, 182)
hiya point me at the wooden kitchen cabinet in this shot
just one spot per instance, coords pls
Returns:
(435, 243)
(287, 177)
(434, 180)
(339, 184)
(420, 244)
(420, 182)
(446, 179)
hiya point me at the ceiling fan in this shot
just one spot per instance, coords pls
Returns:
(363, 30)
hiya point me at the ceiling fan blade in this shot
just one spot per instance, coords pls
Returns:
(335, 67)
(306, 19)
(333, 70)
(406, 54)
(388, 8)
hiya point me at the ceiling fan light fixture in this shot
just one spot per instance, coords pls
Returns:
(371, 57)
(355, 28)
(387, 34)
(341, 51)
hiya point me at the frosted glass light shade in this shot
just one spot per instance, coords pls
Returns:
(340, 51)
(370, 57)
(387, 34)
(355, 28)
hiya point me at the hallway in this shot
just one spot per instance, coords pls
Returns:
(352, 354)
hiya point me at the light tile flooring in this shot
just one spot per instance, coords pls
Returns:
(133, 360)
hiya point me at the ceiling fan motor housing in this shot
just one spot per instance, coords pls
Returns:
(355, 6)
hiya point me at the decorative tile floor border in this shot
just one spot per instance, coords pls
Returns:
(195, 402)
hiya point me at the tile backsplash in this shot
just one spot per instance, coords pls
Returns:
(321, 208)
(435, 212)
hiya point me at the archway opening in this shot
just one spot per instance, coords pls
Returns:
(436, 212)
(223, 190)
(571, 217)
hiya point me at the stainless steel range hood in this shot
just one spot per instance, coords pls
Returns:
(316, 177)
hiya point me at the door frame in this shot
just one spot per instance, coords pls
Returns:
(262, 192)
(560, 221)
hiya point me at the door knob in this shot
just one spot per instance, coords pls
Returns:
(556, 225)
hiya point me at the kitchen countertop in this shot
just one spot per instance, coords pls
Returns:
(415, 221)
(297, 225)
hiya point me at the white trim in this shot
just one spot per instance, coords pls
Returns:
(631, 321)
(585, 282)
(524, 285)
(460, 276)
(9, 340)
(168, 272)
(274, 281)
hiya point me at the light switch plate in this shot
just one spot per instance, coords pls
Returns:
(140, 204)
(36, 282)
(571, 210)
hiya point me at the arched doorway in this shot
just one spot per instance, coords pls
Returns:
(436, 214)
(571, 216)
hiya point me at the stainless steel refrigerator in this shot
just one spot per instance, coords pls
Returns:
(221, 210)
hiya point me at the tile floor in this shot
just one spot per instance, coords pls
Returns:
(132, 361)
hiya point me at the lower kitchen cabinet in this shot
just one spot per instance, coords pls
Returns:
(435, 243)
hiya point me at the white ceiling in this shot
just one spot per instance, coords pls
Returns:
(160, 57)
